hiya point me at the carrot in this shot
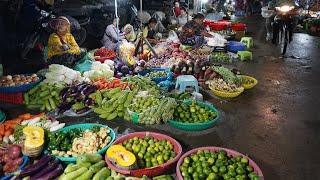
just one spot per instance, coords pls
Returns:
(2, 129)
(25, 116)
(14, 121)
(38, 115)
(8, 132)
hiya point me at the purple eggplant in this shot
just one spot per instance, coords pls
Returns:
(89, 90)
(63, 107)
(51, 166)
(32, 169)
(63, 92)
(83, 110)
(53, 174)
(88, 102)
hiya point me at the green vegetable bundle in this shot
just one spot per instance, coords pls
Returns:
(141, 83)
(220, 57)
(112, 103)
(227, 75)
(43, 97)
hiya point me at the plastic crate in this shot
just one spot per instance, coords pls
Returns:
(239, 27)
(153, 171)
(218, 26)
(235, 46)
(230, 152)
(12, 98)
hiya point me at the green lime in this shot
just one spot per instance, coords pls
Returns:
(148, 164)
(205, 164)
(212, 176)
(210, 161)
(232, 173)
(207, 171)
(202, 176)
(221, 156)
(226, 176)
(238, 159)
(202, 158)
(219, 163)
(222, 169)
(190, 170)
(199, 169)
(244, 160)
(153, 160)
(187, 178)
(249, 168)
(166, 157)
(215, 169)
(140, 155)
(240, 170)
(186, 160)
(184, 173)
(183, 168)
(195, 158)
(195, 175)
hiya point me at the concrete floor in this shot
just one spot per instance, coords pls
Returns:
(277, 123)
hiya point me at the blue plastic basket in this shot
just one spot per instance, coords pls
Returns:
(84, 127)
(21, 88)
(158, 80)
(25, 161)
(196, 126)
(235, 46)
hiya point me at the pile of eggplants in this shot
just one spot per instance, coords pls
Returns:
(46, 168)
(77, 92)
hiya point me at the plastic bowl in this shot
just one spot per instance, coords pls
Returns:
(154, 171)
(249, 86)
(21, 88)
(197, 126)
(84, 127)
(225, 94)
(230, 152)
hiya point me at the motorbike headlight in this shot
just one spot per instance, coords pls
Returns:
(285, 8)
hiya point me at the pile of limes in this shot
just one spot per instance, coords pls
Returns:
(193, 113)
(215, 166)
(149, 151)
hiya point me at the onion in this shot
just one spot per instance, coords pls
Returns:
(15, 151)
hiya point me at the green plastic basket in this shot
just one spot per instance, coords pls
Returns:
(84, 127)
(196, 126)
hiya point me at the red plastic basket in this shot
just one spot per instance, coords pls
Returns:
(218, 26)
(12, 98)
(226, 22)
(238, 27)
(154, 171)
(230, 152)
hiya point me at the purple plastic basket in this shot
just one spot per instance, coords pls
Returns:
(230, 152)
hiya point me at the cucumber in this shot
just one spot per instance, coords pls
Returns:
(74, 174)
(103, 174)
(97, 166)
(91, 158)
(112, 116)
(44, 93)
(85, 176)
(71, 168)
(26, 98)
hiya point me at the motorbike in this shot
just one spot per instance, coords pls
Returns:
(283, 26)
(44, 28)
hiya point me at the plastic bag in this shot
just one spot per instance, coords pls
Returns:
(173, 37)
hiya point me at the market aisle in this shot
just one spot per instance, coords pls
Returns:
(276, 123)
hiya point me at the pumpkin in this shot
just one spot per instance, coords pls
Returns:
(34, 137)
(121, 157)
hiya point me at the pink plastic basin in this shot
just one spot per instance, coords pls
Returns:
(230, 152)
(154, 171)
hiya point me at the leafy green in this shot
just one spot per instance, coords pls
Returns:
(227, 75)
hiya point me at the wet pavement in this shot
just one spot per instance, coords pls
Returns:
(277, 123)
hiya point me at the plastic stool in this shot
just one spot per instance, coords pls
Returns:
(244, 55)
(184, 81)
(248, 41)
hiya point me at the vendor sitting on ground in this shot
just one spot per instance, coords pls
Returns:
(111, 36)
(193, 32)
(149, 31)
(62, 47)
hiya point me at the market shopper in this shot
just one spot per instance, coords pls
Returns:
(129, 33)
(193, 32)
(111, 36)
(176, 9)
(62, 47)
(183, 18)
